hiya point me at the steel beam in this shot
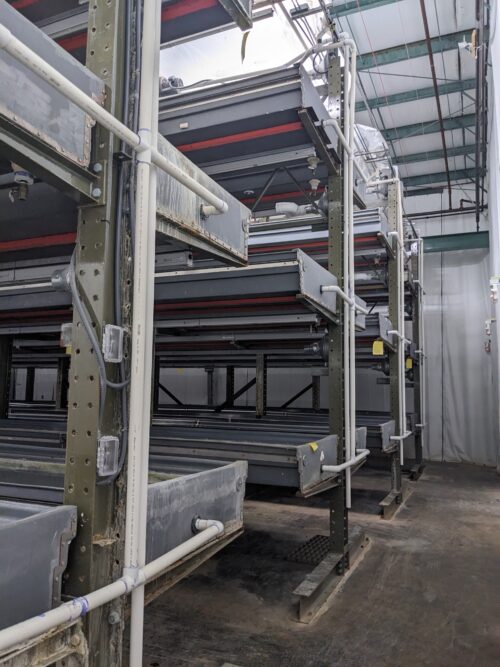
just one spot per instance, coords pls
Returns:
(417, 49)
(423, 192)
(416, 95)
(453, 151)
(355, 6)
(451, 242)
(439, 177)
(338, 513)
(428, 127)
(96, 555)
(395, 495)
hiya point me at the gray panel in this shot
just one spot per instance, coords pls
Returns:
(33, 552)
(173, 504)
(312, 277)
(225, 234)
(35, 106)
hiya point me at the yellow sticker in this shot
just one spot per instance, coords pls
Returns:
(68, 349)
(409, 363)
(378, 348)
(313, 446)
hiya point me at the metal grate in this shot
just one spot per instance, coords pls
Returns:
(311, 552)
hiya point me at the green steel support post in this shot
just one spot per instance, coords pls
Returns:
(5, 374)
(417, 465)
(229, 401)
(96, 555)
(210, 370)
(395, 496)
(261, 385)
(336, 362)
(316, 393)
(30, 384)
(61, 397)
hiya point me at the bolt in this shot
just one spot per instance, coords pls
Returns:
(97, 168)
(113, 618)
(96, 192)
(75, 640)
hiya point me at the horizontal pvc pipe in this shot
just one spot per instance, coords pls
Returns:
(38, 66)
(361, 455)
(71, 611)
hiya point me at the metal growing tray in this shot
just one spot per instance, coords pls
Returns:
(34, 543)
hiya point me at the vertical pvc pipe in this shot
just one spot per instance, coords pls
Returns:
(137, 618)
(140, 385)
(346, 286)
(351, 49)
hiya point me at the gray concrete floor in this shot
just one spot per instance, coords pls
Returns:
(427, 592)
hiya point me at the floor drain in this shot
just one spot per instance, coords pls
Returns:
(311, 552)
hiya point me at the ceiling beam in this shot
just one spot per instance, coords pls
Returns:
(428, 127)
(354, 6)
(416, 95)
(418, 49)
(463, 241)
(441, 177)
(453, 151)
(420, 192)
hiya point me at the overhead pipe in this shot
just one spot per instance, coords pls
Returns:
(79, 607)
(137, 142)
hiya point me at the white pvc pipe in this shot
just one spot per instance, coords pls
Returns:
(347, 195)
(74, 609)
(338, 290)
(142, 326)
(137, 142)
(422, 360)
(360, 455)
(334, 123)
(351, 47)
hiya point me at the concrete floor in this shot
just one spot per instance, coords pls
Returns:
(427, 592)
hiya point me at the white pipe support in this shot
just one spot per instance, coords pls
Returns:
(361, 455)
(15, 48)
(403, 436)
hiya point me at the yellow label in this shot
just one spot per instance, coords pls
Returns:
(409, 363)
(313, 446)
(378, 348)
(68, 349)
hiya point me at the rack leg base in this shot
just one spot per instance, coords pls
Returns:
(319, 586)
(391, 503)
(415, 471)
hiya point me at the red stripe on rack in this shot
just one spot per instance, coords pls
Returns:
(21, 4)
(186, 7)
(74, 42)
(38, 242)
(241, 136)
